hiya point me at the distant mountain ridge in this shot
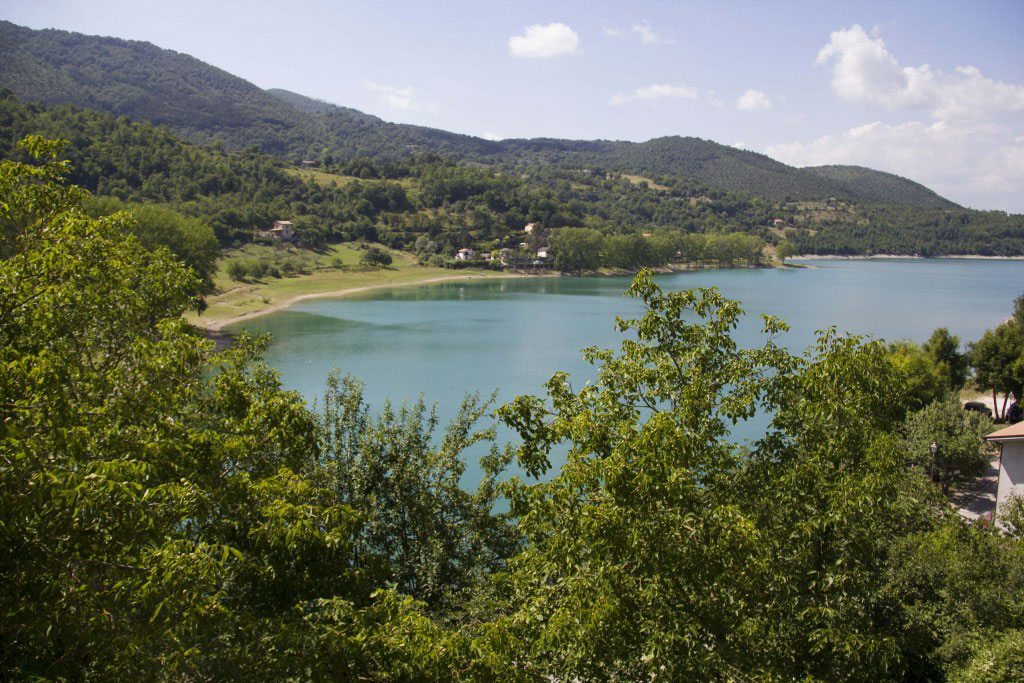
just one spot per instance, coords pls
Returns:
(203, 103)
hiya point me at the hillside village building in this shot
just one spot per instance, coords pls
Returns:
(1011, 461)
(281, 231)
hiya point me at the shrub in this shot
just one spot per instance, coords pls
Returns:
(375, 256)
(237, 270)
(258, 269)
(1011, 515)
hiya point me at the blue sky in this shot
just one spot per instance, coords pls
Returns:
(933, 91)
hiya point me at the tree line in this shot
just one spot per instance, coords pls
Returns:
(577, 250)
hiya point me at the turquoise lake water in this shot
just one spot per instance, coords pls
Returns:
(510, 335)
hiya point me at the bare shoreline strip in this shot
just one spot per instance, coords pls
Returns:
(218, 325)
(835, 257)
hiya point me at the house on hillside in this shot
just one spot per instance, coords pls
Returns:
(543, 252)
(282, 230)
(1011, 461)
(465, 255)
(778, 222)
(529, 227)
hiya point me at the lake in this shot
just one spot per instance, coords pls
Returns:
(512, 334)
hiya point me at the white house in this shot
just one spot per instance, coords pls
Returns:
(543, 252)
(528, 228)
(465, 255)
(1011, 461)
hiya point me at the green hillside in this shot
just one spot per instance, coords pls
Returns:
(435, 206)
(876, 186)
(202, 103)
(145, 82)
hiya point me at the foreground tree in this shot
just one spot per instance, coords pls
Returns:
(663, 551)
(957, 433)
(960, 596)
(429, 536)
(925, 379)
(944, 348)
(164, 515)
(998, 360)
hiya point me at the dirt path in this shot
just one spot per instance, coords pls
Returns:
(976, 499)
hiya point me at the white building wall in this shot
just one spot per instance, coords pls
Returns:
(1011, 473)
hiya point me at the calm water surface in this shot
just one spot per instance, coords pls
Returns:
(511, 335)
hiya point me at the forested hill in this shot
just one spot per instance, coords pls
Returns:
(880, 186)
(145, 82)
(721, 166)
(203, 103)
(347, 133)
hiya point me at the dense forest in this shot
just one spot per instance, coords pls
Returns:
(172, 513)
(202, 103)
(896, 229)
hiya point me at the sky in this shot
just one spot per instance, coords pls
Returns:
(933, 91)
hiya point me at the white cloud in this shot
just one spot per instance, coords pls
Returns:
(646, 34)
(399, 98)
(979, 164)
(714, 100)
(972, 149)
(643, 31)
(492, 136)
(752, 100)
(866, 72)
(654, 92)
(543, 41)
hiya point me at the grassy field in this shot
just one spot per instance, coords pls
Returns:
(335, 270)
(637, 179)
(326, 179)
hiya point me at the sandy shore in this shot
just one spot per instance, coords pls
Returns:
(218, 325)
